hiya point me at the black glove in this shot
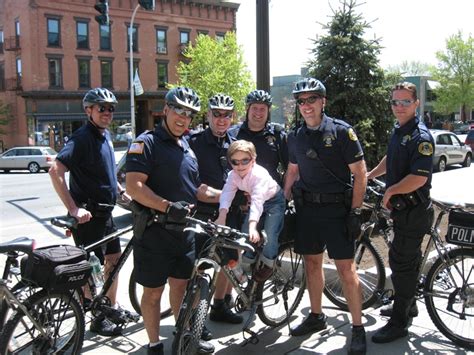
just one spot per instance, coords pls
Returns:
(177, 211)
(353, 225)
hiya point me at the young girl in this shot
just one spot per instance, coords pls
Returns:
(266, 196)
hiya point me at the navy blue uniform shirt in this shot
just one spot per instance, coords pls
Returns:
(89, 156)
(270, 144)
(172, 169)
(336, 145)
(410, 151)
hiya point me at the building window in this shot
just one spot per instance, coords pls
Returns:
(161, 41)
(84, 73)
(1, 41)
(134, 38)
(2, 76)
(55, 73)
(82, 35)
(220, 36)
(203, 32)
(18, 72)
(105, 39)
(54, 34)
(162, 74)
(183, 37)
(17, 28)
(106, 73)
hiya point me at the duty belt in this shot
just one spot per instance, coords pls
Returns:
(317, 197)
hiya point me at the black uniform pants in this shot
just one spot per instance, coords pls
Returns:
(410, 226)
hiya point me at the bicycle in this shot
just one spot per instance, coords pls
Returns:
(448, 286)
(40, 321)
(274, 300)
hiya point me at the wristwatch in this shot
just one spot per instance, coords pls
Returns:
(357, 211)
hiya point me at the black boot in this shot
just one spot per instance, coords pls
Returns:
(387, 311)
(358, 342)
(220, 312)
(388, 333)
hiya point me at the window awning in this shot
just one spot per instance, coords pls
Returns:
(54, 117)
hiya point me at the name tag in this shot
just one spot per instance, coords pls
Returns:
(460, 235)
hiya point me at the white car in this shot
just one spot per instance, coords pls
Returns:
(33, 158)
(449, 150)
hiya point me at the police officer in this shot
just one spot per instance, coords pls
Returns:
(210, 147)
(89, 157)
(324, 153)
(162, 175)
(269, 139)
(408, 166)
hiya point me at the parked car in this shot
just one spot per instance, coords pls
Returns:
(27, 158)
(449, 150)
(470, 139)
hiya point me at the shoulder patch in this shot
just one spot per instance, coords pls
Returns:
(425, 148)
(352, 135)
(136, 148)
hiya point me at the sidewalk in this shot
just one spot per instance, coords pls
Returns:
(423, 336)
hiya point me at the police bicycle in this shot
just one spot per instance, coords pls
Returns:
(274, 300)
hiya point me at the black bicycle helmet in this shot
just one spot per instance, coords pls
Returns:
(259, 97)
(309, 85)
(183, 97)
(221, 102)
(98, 96)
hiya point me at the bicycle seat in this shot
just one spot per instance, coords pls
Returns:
(22, 244)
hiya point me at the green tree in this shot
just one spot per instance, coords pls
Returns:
(358, 90)
(216, 66)
(5, 117)
(455, 73)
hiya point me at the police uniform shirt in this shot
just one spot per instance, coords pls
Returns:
(172, 170)
(335, 144)
(266, 145)
(211, 154)
(89, 156)
(410, 151)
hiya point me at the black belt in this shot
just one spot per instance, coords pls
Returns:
(317, 197)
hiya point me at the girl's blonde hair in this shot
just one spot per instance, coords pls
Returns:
(242, 146)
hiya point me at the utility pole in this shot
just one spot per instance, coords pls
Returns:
(263, 46)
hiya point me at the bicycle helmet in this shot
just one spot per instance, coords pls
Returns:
(221, 102)
(259, 97)
(98, 96)
(183, 97)
(309, 85)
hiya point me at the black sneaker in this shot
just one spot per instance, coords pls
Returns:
(155, 350)
(388, 333)
(388, 310)
(313, 323)
(229, 301)
(358, 342)
(105, 327)
(225, 315)
(205, 347)
(206, 334)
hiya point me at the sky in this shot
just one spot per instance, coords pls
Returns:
(410, 30)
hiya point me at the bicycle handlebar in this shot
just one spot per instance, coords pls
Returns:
(64, 222)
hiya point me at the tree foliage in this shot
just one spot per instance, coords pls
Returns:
(358, 90)
(412, 68)
(455, 73)
(216, 66)
(5, 117)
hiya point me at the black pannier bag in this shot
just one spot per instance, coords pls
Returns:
(62, 267)
(461, 228)
(288, 232)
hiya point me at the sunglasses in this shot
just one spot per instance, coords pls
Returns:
(217, 114)
(183, 112)
(102, 108)
(237, 162)
(309, 100)
(404, 103)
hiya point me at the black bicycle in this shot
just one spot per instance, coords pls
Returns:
(274, 300)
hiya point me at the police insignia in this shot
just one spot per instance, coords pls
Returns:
(405, 139)
(270, 140)
(136, 148)
(352, 135)
(328, 140)
(425, 148)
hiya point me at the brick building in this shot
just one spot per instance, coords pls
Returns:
(53, 51)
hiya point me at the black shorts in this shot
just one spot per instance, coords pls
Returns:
(163, 253)
(321, 226)
(95, 230)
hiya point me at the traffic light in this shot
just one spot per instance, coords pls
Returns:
(147, 4)
(103, 7)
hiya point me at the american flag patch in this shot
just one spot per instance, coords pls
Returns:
(136, 148)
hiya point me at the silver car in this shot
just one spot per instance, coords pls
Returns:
(449, 150)
(27, 158)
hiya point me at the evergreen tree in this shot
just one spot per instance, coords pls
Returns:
(5, 117)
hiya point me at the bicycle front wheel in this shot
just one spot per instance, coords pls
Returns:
(192, 316)
(449, 296)
(135, 292)
(370, 270)
(281, 294)
(59, 315)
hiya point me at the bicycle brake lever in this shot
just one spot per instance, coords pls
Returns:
(197, 229)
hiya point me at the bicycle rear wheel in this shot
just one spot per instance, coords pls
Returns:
(449, 296)
(286, 285)
(192, 316)
(371, 272)
(135, 292)
(61, 317)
